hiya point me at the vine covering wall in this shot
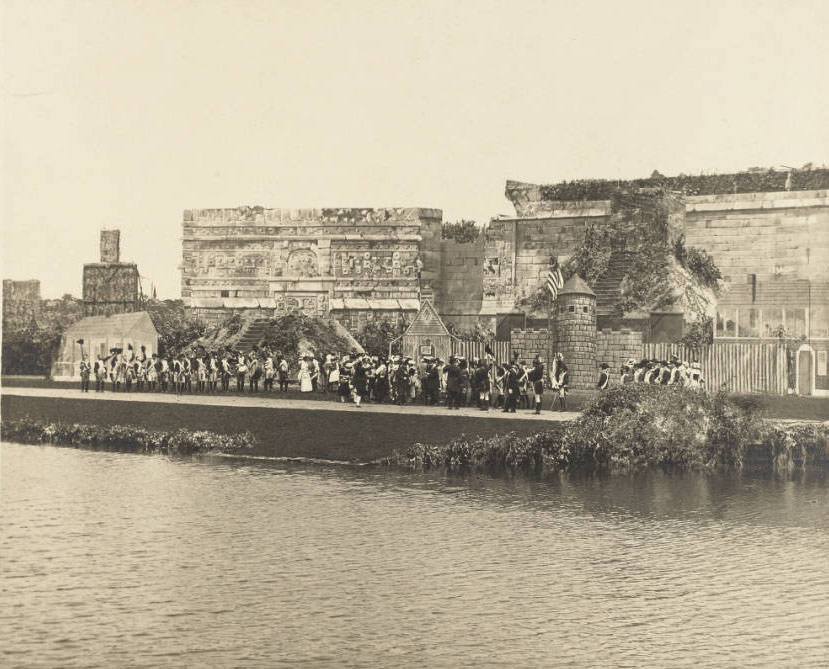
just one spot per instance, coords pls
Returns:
(754, 181)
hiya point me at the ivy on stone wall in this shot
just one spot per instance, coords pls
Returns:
(592, 258)
(754, 181)
(640, 229)
(699, 263)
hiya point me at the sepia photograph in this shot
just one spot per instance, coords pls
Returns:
(416, 333)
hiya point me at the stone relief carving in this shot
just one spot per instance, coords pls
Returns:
(310, 305)
(302, 263)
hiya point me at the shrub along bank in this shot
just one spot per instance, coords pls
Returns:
(124, 438)
(636, 427)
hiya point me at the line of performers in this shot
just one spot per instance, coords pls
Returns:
(127, 369)
(356, 378)
(456, 382)
(673, 372)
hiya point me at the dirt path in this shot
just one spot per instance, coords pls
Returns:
(253, 401)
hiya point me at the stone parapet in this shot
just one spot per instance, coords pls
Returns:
(615, 347)
(531, 342)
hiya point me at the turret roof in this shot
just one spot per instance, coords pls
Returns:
(576, 285)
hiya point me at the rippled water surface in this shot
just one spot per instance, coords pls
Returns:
(118, 560)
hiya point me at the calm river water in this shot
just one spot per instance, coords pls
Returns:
(117, 560)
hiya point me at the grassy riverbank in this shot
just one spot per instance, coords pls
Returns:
(631, 428)
(326, 431)
(126, 438)
(626, 429)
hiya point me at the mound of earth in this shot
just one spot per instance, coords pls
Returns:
(291, 335)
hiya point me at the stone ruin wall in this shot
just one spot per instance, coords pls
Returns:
(21, 303)
(307, 260)
(517, 251)
(775, 235)
(461, 282)
(307, 257)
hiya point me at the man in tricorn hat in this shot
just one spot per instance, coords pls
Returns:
(536, 378)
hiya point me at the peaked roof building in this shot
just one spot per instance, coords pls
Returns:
(427, 323)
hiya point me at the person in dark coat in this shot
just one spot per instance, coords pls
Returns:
(401, 382)
(604, 377)
(464, 381)
(536, 378)
(344, 387)
(512, 387)
(431, 384)
(481, 377)
(473, 384)
(360, 381)
(453, 384)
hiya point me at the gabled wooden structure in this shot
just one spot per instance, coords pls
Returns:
(427, 335)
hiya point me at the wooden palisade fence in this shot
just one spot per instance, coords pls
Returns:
(737, 368)
(476, 349)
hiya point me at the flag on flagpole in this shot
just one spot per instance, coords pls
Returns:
(554, 280)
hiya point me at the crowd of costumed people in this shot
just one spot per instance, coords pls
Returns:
(358, 378)
(660, 372)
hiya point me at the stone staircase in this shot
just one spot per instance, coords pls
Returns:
(607, 288)
(252, 335)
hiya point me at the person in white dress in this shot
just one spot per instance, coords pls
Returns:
(304, 376)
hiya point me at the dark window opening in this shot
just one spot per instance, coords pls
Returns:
(225, 293)
(572, 308)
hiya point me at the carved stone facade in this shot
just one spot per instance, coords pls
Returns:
(317, 261)
(110, 286)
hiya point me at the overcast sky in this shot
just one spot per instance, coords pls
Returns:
(123, 114)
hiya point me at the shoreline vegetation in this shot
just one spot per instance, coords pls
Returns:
(627, 429)
(637, 427)
(125, 438)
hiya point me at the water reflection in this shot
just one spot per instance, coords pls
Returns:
(111, 559)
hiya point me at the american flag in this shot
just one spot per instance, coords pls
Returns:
(554, 280)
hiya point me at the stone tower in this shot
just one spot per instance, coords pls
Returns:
(576, 332)
(110, 286)
(110, 246)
